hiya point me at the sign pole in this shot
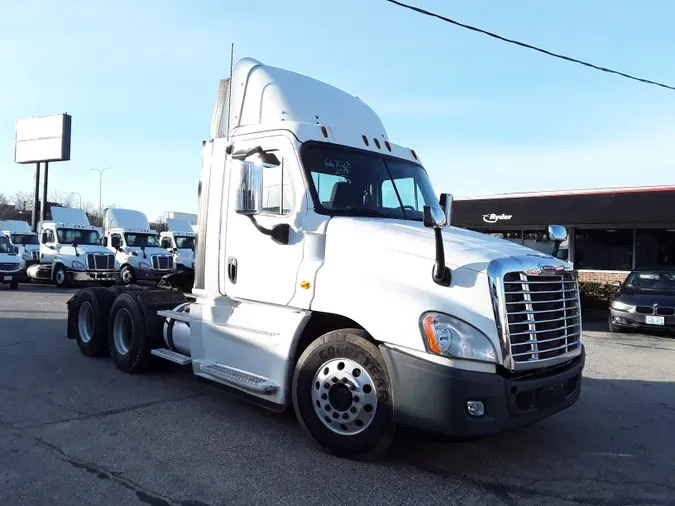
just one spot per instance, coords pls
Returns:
(45, 178)
(36, 197)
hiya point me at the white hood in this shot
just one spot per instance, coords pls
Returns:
(83, 249)
(463, 248)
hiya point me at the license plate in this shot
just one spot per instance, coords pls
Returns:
(656, 320)
(8, 278)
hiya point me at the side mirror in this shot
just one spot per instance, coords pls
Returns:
(434, 217)
(557, 233)
(446, 204)
(616, 283)
(174, 250)
(249, 198)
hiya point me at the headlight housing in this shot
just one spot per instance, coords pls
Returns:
(448, 336)
(143, 265)
(621, 306)
(77, 265)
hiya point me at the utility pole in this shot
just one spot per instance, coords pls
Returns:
(100, 186)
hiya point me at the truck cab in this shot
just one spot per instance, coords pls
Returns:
(179, 240)
(136, 246)
(328, 279)
(71, 251)
(24, 241)
(11, 264)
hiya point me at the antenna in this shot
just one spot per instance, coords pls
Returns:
(229, 92)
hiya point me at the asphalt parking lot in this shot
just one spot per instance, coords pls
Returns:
(75, 430)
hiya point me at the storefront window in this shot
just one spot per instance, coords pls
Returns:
(509, 235)
(655, 248)
(609, 249)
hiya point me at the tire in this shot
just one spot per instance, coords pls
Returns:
(14, 285)
(130, 346)
(91, 332)
(369, 426)
(127, 275)
(61, 276)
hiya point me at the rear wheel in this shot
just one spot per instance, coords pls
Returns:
(342, 395)
(130, 346)
(93, 308)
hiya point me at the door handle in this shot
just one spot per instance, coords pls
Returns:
(232, 269)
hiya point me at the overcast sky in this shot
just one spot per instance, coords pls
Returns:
(139, 78)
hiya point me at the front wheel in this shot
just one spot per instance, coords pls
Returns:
(127, 275)
(61, 276)
(342, 395)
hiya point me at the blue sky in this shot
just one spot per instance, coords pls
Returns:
(139, 78)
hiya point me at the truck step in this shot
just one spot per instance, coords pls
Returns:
(171, 356)
(241, 378)
(169, 313)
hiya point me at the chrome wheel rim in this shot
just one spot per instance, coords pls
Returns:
(60, 276)
(122, 331)
(85, 322)
(344, 396)
(126, 275)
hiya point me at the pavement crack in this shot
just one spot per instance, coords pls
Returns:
(19, 343)
(110, 412)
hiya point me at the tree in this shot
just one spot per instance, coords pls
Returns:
(63, 199)
(21, 200)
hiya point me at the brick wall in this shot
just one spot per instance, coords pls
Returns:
(604, 277)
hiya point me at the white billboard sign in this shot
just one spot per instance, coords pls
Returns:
(42, 139)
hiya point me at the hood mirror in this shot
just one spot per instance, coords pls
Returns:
(249, 198)
(446, 204)
(557, 234)
(616, 283)
(435, 217)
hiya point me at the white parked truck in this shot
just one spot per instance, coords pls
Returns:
(348, 297)
(70, 250)
(128, 235)
(24, 241)
(179, 240)
(11, 264)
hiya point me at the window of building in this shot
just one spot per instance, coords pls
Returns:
(608, 249)
(509, 235)
(278, 197)
(654, 248)
(538, 240)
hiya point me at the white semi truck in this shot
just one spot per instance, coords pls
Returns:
(24, 241)
(11, 264)
(70, 250)
(179, 240)
(349, 297)
(128, 235)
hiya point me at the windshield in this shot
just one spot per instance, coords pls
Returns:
(350, 182)
(24, 239)
(141, 240)
(77, 236)
(652, 281)
(185, 242)
(5, 245)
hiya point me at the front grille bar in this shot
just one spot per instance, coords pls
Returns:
(543, 331)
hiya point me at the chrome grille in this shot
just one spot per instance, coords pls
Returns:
(543, 316)
(9, 267)
(100, 262)
(162, 262)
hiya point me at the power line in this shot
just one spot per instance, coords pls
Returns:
(529, 46)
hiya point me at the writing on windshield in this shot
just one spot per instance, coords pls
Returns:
(77, 236)
(141, 240)
(24, 239)
(185, 242)
(360, 183)
(5, 246)
(652, 281)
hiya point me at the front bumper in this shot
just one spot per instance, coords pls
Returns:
(93, 276)
(625, 319)
(9, 277)
(149, 274)
(433, 397)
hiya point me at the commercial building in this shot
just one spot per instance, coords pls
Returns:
(611, 230)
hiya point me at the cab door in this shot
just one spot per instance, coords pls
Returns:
(48, 246)
(258, 268)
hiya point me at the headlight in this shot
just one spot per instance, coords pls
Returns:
(77, 265)
(143, 265)
(26, 256)
(450, 337)
(620, 306)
